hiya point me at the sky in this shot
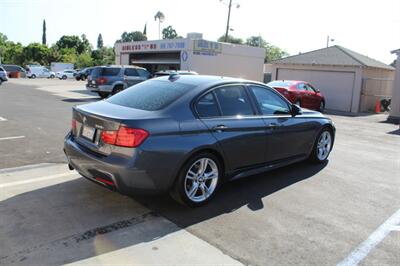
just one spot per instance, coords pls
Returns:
(368, 27)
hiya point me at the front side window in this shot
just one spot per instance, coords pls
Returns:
(269, 102)
(207, 106)
(143, 73)
(309, 88)
(233, 101)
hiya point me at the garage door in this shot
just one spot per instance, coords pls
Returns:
(337, 87)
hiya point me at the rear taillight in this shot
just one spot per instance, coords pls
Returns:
(73, 126)
(125, 137)
(101, 81)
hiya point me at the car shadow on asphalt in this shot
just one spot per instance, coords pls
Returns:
(75, 220)
(233, 195)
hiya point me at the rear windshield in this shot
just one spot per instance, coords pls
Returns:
(280, 83)
(150, 95)
(105, 71)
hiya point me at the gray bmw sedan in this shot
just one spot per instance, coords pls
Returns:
(186, 135)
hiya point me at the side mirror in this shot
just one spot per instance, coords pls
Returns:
(296, 110)
(317, 90)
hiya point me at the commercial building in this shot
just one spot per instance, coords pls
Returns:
(195, 54)
(350, 81)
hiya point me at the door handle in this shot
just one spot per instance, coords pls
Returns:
(219, 128)
(273, 125)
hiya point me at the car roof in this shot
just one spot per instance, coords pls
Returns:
(205, 80)
(120, 66)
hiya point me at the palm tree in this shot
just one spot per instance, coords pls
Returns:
(160, 16)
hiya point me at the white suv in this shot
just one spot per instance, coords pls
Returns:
(66, 74)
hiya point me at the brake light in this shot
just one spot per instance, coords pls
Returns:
(101, 81)
(125, 137)
(73, 126)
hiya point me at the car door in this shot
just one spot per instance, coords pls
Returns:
(313, 96)
(230, 116)
(288, 137)
(303, 95)
(131, 77)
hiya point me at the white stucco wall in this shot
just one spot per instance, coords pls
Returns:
(395, 105)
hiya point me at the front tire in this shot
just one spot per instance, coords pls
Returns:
(33, 76)
(102, 95)
(64, 77)
(321, 107)
(198, 180)
(323, 146)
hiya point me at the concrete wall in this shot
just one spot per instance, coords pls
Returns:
(377, 84)
(395, 106)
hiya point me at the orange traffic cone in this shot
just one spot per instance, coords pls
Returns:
(377, 106)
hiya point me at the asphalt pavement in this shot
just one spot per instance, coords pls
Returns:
(345, 211)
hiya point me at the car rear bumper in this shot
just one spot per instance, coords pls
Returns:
(99, 88)
(115, 173)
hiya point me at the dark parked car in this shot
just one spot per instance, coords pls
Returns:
(106, 80)
(301, 93)
(83, 73)
(3, 75)
(169, 72)
(189, 134)
(14, 70)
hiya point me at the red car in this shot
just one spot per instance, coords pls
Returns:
(301, 93)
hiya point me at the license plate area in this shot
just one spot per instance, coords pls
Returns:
(88, 132)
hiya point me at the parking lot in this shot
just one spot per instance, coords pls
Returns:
(345, 211)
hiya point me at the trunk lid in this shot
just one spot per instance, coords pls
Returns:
(92, 119)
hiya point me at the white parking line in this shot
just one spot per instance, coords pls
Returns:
(2, 119)
(15, 137)
(391, 224)
(34, 180)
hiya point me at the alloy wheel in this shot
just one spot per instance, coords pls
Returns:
(324, 145)
(201, 180)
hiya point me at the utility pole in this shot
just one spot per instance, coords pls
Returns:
(329, 40)
(227, 23)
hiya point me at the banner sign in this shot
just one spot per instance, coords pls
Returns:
(203, 47)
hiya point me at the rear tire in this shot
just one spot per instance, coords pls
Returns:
(64, 77)
(117, 89)
(102, 95)
(198, 180)
(322, 146)
(33, 76)
(51, 76)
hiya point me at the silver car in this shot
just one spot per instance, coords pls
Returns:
(3, 75)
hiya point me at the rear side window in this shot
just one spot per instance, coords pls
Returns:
(207, 106)
(130, 72)
(269, 102)
(150, 95)
(281, 83)
(233, 101)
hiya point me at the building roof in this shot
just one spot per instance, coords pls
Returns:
(334, 55)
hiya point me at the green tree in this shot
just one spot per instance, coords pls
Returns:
(44, 32)
(99, 41)
(12, 53)
(134, 36)
(84, 60)
(393, 64)
(169, 33)
(72, 41)
(271, 52)
(231, 39)
(36, 52)
(69, 55)
(103, 56)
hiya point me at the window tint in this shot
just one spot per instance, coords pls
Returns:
(109, 71)
(233, 101)
(301, 87)
(130, 72)
(207, 106)
(150, 95)
(143, 73)
(269, 102)
(309, 88)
